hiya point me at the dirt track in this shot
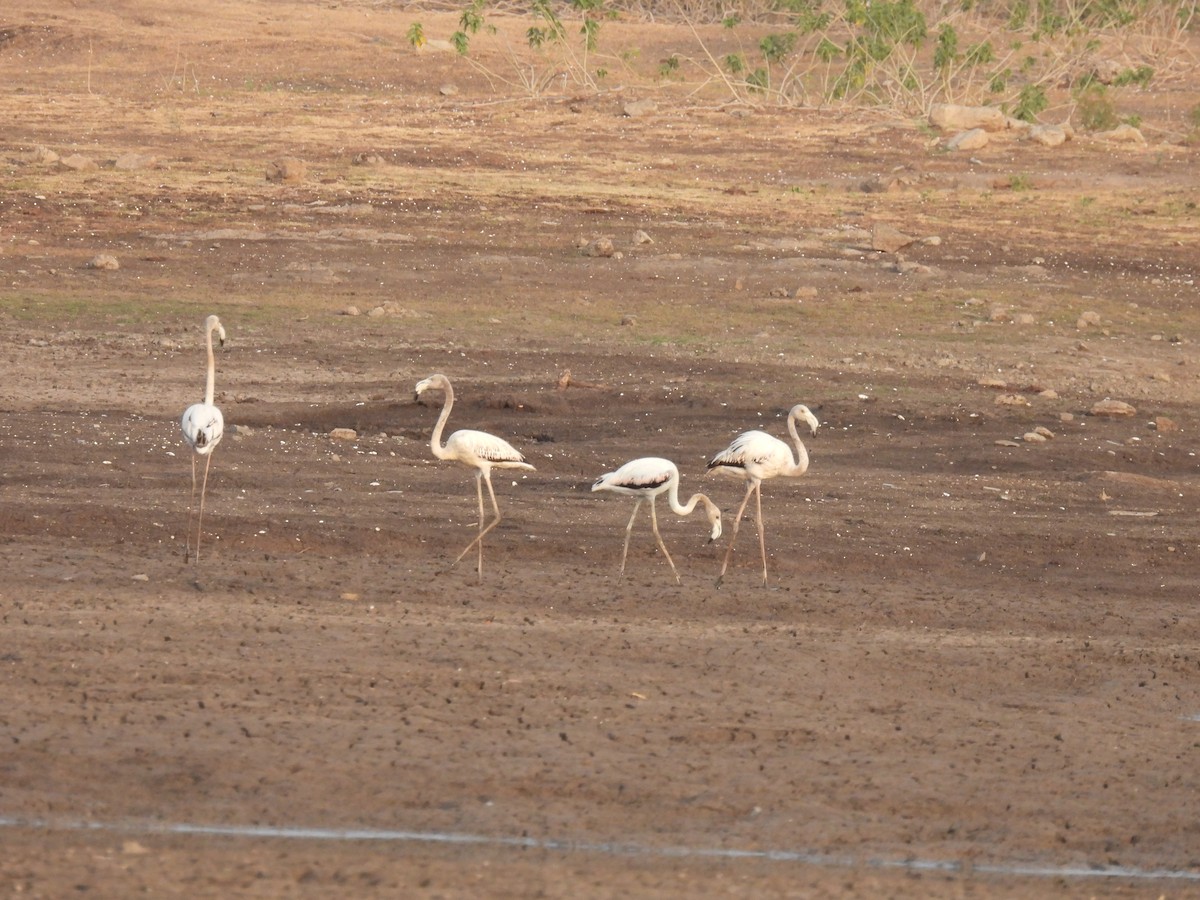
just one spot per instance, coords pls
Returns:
(975, 669)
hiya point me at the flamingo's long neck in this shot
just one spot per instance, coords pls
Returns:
(673, 499)
(211, 384)
(435, 441)
(801, 465)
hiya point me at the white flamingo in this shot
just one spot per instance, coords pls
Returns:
(203, 426)
(478, 449)
(757, 456)
(647, 478)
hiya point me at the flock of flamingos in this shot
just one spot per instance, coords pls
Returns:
(754, 456)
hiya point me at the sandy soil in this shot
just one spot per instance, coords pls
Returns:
(974, 672)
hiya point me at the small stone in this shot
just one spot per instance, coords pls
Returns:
(1044, 432)
(1164, 424)
(600, 247)
(351, 311)
(637, 108)
(974, 139)
(628, 320)
(1086, 320)
(1032, 437)
(997, 383)
(287, 170)
(1047, 135)
(376, 312)
(1024, 319)
(1048, 394)
(1122, 134)
(344, 434)
(887, 239)
(350, 595)
(640, 237)
(1111, 408)
(1011, 400)
(77, 162)
(105, 262)
(448, 90)
(141, 577)
(1004, 442)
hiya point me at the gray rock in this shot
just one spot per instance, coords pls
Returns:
(975, 139)
(1112, 408)
(887, 239)
(287, 170)
(637, 108)
(1047, 135)
(105, 262)
(1122, 134)
(953, 117)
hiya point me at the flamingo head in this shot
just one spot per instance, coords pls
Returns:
(802, 412)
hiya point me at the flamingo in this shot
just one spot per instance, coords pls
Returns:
(203, 426)
(650, 477)
(757, 456)
(479, 449)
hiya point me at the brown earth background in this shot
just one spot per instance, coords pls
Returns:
(975, 671)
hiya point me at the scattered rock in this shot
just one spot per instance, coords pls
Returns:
(344, 434)
(997, 383)
(602, 247)
(1087, 320)
(105, 262)
(448, 90)
(1047, 135)
(1049, 394)
(1106, 71)
(131, 162)
(640, 237)
(1111, 408)
(376, 312)
(1025, 319)
(368, 159)
(351, 311)
(1011, 400)
(628, 320)
(1122, 134)
(288, 170)
(953, 117)
(974, 139)
(350, 596)
(77, 162)
(1032, 437)
(1164, 424)
(1044, 432)
(141, 577)
(881, 184)
(43, 155)
(887, 239)
(1004, 442)
(637, 108)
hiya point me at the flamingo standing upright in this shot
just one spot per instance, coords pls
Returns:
(203, 427)
(478, 449)
(648, 478)
(757, 456)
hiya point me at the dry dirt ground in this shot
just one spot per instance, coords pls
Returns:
(975, 671)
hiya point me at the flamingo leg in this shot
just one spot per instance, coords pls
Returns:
(762, 537)
(737, 521)
(658, 537)
(484, 477)
(203, 488)
(637, 504)
(187, 553)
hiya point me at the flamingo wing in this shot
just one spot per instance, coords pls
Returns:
(473, 447)
(639, 476)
